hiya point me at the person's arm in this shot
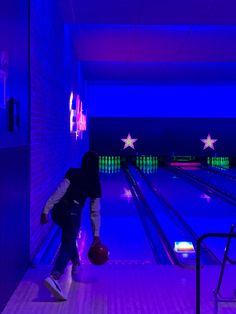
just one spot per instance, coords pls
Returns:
(95, 219)
(55, 198)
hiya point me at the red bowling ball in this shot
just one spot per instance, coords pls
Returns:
(98, 254)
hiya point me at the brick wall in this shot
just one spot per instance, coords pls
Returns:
(53, 148)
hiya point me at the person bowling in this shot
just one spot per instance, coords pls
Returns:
(66, 205)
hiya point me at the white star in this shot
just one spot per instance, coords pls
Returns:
(209, 142)
(129, 141)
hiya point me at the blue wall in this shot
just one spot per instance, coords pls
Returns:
(107, 100)
(163, 136)
(14, 222)
(166, 119)
(14, 151)
(14, 42)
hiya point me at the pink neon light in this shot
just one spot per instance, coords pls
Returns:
(190, 168)
(71, 111)
(185, 164)
(81, 119)
(82, 125)
(77, 101)
(78, 122)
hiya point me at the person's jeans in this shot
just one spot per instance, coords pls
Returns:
(69, 220)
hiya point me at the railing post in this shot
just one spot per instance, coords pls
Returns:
(198, 263)
(198, 276)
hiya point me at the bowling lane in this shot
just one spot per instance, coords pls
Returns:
(221, 181)
(121, 228)
(231, 170)
(203, 212)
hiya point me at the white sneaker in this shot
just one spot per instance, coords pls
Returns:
(54, 287)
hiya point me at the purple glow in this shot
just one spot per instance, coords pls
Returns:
(82, 241)
(185, 164)
(189, 168)
(162, 43)
(127, 194)
(206, 197)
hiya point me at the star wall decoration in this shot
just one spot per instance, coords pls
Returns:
(209, 142)
(129, 141)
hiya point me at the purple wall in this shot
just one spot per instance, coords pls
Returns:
(53, 148)
(14, 152)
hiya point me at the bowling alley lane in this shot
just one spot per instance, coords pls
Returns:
(203, 211)
(121, 228)
(224, 182)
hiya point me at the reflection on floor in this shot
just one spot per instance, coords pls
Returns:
(120, 288)
(132, 282)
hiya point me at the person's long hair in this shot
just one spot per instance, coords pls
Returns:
(90, 165)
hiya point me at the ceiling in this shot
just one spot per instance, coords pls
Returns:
(154, 41)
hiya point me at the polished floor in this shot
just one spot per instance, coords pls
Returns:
(133, 281)
(119, 289)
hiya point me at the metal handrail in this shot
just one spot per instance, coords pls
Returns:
(198, 263)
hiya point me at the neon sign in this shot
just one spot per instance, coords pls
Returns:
(78, 121)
